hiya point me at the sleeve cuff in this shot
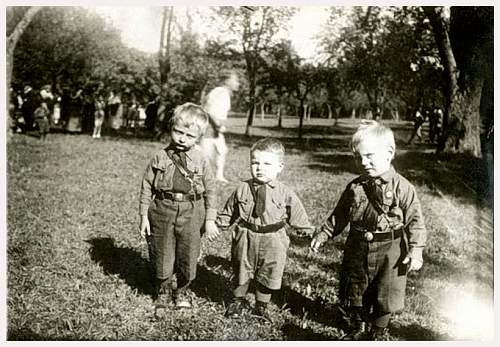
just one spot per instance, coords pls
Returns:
(211, 214)
(416, 253)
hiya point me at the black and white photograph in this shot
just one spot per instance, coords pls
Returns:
(239, 172)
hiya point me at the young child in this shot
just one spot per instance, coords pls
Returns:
(41, 116)
(260, 208)
(177, 197)
(386, 234)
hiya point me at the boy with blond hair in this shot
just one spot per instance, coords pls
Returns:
(260, 209)
(386, 234)
(177, 198)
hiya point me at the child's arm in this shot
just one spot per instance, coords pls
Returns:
(298, 218)
(414, 227)
(335, 223)
(210, 185)
(224, 218)
(145, 197)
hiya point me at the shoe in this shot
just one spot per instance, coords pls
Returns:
(262, 310)
(236, 307)
(164, 294)
(380, 334)
(358, 332)
(182, 299)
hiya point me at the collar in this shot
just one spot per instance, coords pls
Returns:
(388, 175)
(271, 184)
(169, 149)
(383, 178)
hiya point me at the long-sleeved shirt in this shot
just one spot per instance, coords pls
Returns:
(396, 195)
(159, 176)
(282, 204)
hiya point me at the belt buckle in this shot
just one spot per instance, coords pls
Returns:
(368, 236)
(177, 196)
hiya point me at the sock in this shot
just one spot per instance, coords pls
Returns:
(262, 293)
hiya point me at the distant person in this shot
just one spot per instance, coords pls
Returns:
(152, 113)
(218, 103)
(435, 124)
(74, 123)
(386, 235)
(30, 103)
(418, 121)
(99, 106)
(177, 199)
(41, 116)
(261, 209)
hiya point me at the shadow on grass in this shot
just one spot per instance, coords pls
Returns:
(293, 332)
(211, 285)
(123, 261)
(415, 332)
(216, 288)
(23, 334)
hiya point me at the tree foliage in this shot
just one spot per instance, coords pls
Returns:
(256, 29)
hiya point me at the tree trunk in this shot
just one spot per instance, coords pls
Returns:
(301, 119)
(164, 53)
(251, 112)
(280, 117)
(11, 46)
(262, 112)
(461, 119)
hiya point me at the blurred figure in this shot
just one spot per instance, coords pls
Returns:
(99, 106)
(152, 113)
(28, 107)
(42, 120)
(56, 111)
(217, 104)
(435, 124)
(418, 121)
(75, 112)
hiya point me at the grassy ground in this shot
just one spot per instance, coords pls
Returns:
(78, 269)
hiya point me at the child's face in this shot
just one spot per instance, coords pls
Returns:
(184, 137)
(265, 166)
(373, 156)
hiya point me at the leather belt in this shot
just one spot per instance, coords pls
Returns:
(180, 197)
(262, 229)
(378, 237)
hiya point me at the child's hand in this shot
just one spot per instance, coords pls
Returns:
(211, 230)
(144, 227)
(413, 264)
(318, 240)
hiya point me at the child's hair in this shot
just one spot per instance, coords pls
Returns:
(189, 114)
(371, 128)
(269, 144)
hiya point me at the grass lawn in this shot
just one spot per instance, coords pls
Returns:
(78, 268)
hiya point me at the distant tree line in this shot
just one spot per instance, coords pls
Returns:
(383, 62)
